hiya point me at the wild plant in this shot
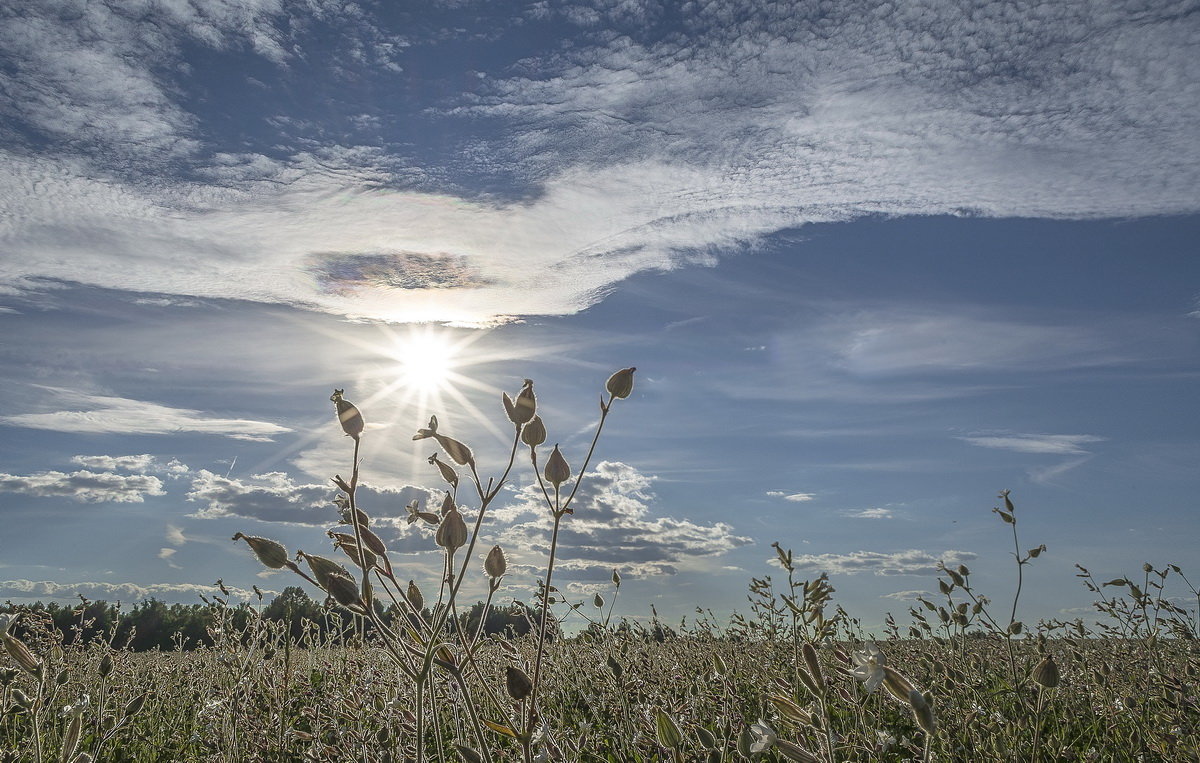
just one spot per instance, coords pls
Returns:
(420, 642)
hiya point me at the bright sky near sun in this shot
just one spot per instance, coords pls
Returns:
(874, 263)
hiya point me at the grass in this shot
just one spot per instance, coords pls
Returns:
(794, 679)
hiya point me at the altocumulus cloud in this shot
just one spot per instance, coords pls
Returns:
(908, 562)
(277, 497)
(646, 142)
(613, 527)
(184, 592)
(84, 486)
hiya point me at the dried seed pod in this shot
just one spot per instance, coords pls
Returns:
(446, 469)
(814, 665)
(521, 410)
(271, 553)
(620, 384)
(1046, 673)
(452, 532)
(21, 654)
(533, 434)
(495, 565)
(557, 471)
(517, 683)
(348, 415)
(323, 569)
(414, 596)
(344, 590)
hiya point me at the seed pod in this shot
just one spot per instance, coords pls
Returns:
(452, 532)
(271, 553)
(616, 579)
(667, 730)
(1046, 673)
(533, 434)
(21, 654)
(956, 577)
(495, 565)
(620, 384)
(814, 665)
(372, 541)
(71, 738)
(557, 471)
(344, 590)
(414, 596)
(348, 415)
(1008, 504)
(448, 505)
(106, 665)
(457, 451)
(794, 752)
(446, 469)
(517, 683)
(922, 711)
(598, 601)
(136, 704)
(897, 684)
(521, 410)
(322, 568)
(1015, 627)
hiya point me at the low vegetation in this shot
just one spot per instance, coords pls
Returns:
(394, 670)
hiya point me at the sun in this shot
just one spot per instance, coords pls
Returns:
(427, 359)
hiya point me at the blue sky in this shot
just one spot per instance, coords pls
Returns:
(874, 263)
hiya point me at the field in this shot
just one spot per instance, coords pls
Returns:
(381, 673)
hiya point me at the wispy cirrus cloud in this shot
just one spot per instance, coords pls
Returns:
(106, 414)
(84, 486)
(1053, 444)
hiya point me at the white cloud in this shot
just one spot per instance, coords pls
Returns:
(796, 497)
(84, 486)
(172, 592)
(630, 153)
(277, 497)
(613, 527)
(875, 513)
(1053, 444)
(141, 463)
(904, 595)
(908, 562)
(175, 536)
(102, 414)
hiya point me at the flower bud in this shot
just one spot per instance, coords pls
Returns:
(322, 569)
(517, 683)
(598, 601)
(616, 579)
(348, 415)
(271, 553)
(495, 565)
(452, 532)
(521, 410)
(533, 434)
(557, 471)
(446, 469)
(106, 665)
(620, 384)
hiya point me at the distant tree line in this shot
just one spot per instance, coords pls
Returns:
(153, 624)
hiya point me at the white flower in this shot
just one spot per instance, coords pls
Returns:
(764, 736)
(868, 666)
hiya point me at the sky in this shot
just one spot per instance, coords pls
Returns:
(873, 261)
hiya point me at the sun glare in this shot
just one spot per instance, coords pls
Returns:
(427, 360)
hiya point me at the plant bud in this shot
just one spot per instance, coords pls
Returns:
(457, 451)
(414, 596)
(446, 469)
(21, 654)
(323, 569)
(348, 415)
(344, 590)
(1046, 673)
(598, 601)
(620, 384)
(452, 532)
(667, 730)
(814, 665)
(1015, 627)
(372, 541)
(533, 434)
(616, 579)
(517, 683)
(495, 565)
(136, 704)
(448, 505)
(106, 665)
(557, 471)
(521, 410)
(896, 684)
(795, 752)
(271, 553)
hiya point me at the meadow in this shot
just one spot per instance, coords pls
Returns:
(409, 672)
